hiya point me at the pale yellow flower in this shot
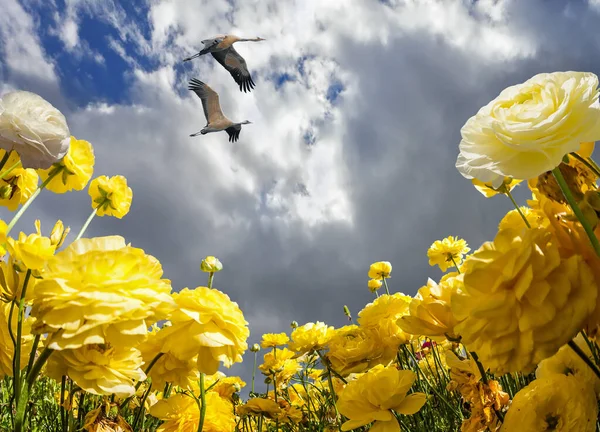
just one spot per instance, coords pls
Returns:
(380, 270)
(529, 127)
(32, 250)
(99, 369)
(448, 252)
(99, 290)
(271, 340)
(513, 220)
(310, 337)
(520, 301)
(110, 196)
(556, 403)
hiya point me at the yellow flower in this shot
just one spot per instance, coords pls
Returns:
(488, 191)
(430, 313)
(100, 369)
(271, 340)
(168, 368)
(281, 365)
(310, 337)
(371, 397)
(97, 421)
(380, 270)
(374, 284)
(180, 413)
(74, 170)
(447, 253)
(513, 220)
(210, 264)
(529, 127)
(290, 414)
(266, 407)
(17, 186)
(353, 349)
(12, 281)
(110, 196)
(381, 317)
(100, 290)
(7, 348)
(567, 362)
(556, 403)
(520, 301)
(33, 250)
(225, 386)
(208, 324)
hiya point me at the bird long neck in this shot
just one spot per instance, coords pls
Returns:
(249, 39)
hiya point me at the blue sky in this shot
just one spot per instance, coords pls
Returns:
(350, 158)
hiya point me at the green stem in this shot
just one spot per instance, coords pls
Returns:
(31, 199)
(571, 200)
(387, 291)
(80, 413)
(86, 224)
(584, 357)
(63, 414)
(331, 389)
(254, 370)
(211, 276)
(586, 163)
(10, 169)
(455, 265)
(140, 412)
(509, 195)
(139, 383)
(36, 342)
(17, 353)
(5, 158)
(203, 401)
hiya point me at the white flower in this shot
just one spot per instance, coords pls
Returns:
(34, 128)
(529, 127)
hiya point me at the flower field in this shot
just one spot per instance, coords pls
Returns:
(95, 338)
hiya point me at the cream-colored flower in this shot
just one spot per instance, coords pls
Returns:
(529, 127)
(34, 128)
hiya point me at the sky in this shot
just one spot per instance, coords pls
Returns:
(349, 159)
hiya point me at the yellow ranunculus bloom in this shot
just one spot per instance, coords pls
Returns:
(567, 362)
(17, 186)
(372, 396)
(7, 348)
(168, 368)
(110, 196)
(448, 252)
(271, 340)
(281, 365)
(310, 336)
(208, 324)
(12, 281)
(33, 250)
(225, 386)
(353, 349)
(381, 317)
(254, 406)
(380, 270)
(520, 301)
(513, 220)
(556, 403)
(529, 127)
(430, 313)
(486, 189)
(101, 369)
(99, 290)
(374, 284)
(76, 168)
(181, 413)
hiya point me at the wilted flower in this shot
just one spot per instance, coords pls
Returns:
(448, 252)
(529, 127)
(101, 369)
(520, 302)
(32, 127)
(362, 405)
(208, 324)
(558, 402)
(181, 413)
(271, 340)
(310, 337)
(110, 196)
(100, 290)
(380, 270)
(210, 264)
(97, 421)
(74, 171)
(17, 186)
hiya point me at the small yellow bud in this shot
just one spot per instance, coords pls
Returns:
(255, 348)
(210, 264)
(6, 191)
(59, 233)
(294, 324)
(347, 312)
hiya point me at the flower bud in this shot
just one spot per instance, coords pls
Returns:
(347, 312)
(5, 191)
(210, 264)
(59, 233)
(255, 348)
(294, 324)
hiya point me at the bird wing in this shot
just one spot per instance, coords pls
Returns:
(233, 132)
(210, 100)
(209, 43)
(231, 60)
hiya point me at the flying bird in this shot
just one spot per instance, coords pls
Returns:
(221, 48)
(215, 120)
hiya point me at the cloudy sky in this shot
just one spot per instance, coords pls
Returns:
(350, 158)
